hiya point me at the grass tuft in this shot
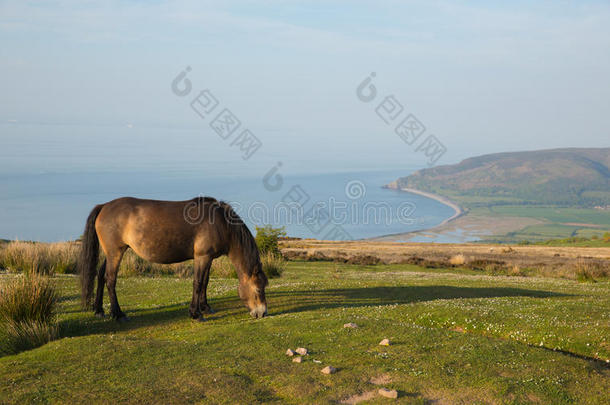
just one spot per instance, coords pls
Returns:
(27, 313)
(28, 298)
(273, 265)
(16, 337)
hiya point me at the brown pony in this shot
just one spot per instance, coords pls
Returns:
(169, 232)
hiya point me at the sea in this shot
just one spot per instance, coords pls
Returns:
(50, 181)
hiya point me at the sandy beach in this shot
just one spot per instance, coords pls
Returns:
(438, 230)
(458, 210)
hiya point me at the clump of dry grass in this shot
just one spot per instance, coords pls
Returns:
(222, 268)
(39, 258)
(273, 265)
(585, 272)
(457, 260)
(27, 312)
(134, 265)
(516, 270)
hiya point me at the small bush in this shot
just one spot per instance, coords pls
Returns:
(606, 237)
(273, 265)
(267, 239)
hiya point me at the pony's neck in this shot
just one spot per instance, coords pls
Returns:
(244, 255)
(239, 262)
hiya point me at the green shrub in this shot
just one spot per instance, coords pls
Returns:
(267, 239)
(273, 265)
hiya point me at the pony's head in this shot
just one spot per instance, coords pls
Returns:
(252, 292)
(245, 256)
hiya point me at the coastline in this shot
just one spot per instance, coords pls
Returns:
(458, 212)
(443, 200)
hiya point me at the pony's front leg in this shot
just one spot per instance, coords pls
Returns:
(201, 266)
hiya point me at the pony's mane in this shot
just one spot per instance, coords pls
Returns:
(240, 235)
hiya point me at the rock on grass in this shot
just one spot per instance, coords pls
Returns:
(289, 352)
(328, 370)
(384, 392)
(302, 351)
(297, 359)
(350, 325)
(384, 342)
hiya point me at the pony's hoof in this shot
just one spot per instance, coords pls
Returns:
(200, 319)
(100, 315)
(123, 319)
(209, 310)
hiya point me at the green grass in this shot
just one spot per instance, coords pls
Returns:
(457, 337)
(555, 214)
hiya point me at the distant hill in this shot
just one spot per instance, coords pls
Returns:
(571, 176)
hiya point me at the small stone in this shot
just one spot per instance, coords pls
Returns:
(384, 342)
(302, 351)
(350, 325)
(297, 359)
(384, 392)
(329, 370)
(289, 352)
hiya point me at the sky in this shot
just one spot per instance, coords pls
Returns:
(87, 85)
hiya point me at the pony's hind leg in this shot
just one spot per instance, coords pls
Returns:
(201, 266)
(204, 307)
(113, 261)
(98, 307)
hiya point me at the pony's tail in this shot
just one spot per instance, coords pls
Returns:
(89, 255)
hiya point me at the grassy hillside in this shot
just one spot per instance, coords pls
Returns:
(558, 177)
(457, 337)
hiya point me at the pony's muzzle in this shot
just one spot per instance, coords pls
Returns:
(259, 312)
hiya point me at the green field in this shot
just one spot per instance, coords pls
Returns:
(556, 214)
(558, 223)
(457, 337)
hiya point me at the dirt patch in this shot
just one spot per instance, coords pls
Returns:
(457, 396)
(381, 379)
(581, 224)
(365, 396)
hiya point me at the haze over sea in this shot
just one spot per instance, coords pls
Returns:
(53, 175)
